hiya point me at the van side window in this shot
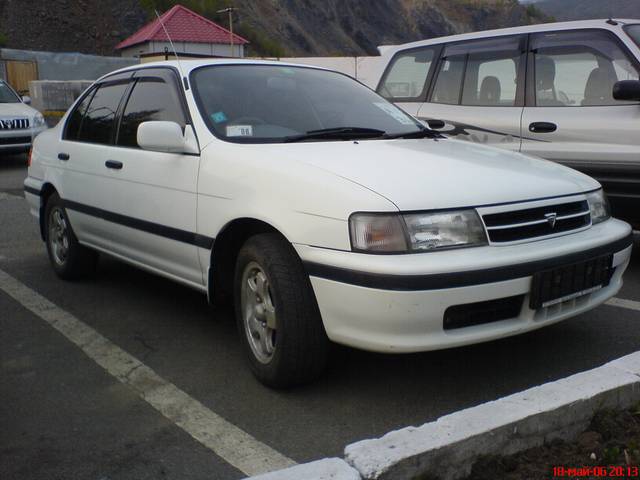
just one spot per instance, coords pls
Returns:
(488, 68)
(98, 122)
(152, 99)
(449, 81)
(406, 78)
(578, 68)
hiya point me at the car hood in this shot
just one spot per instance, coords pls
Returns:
(16, 110)
(443, 173)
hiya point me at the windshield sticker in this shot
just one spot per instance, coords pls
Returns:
(239, 131)
(395, 113)
(219, 117)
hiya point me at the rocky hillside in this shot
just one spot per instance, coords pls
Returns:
(586, 9)
(275, 27)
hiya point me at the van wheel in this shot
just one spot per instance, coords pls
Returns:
(277, 313)
(69, 259)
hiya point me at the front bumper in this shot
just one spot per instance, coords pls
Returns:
(18, 141)
(397, 303)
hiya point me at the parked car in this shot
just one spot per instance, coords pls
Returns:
(326, 212)
(19, 123)
(545, 90)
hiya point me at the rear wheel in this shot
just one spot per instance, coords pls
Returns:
(277, 314)
(69, 259)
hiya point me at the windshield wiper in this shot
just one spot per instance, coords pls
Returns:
(341, 133)
(422, 133)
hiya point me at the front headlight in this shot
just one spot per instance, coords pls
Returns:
(415, 232)
(38, 120)
(599, 206)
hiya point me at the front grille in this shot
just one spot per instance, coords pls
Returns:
(479, 313)
(536, 222)
(14, 140)
(14, 123)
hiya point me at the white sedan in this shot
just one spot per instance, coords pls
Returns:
(324, 211)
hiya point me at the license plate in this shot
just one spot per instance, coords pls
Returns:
(561, 284)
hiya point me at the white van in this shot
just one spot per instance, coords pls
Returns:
(545, 90)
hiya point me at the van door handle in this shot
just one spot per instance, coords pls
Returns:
(113, 164)
(543, 127)
(435, 124)
(63, 156)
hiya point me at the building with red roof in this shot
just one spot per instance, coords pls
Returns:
(192, 35)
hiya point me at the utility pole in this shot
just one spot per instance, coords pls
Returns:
(230, 11)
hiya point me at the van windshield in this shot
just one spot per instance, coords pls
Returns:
(634, 32)
(272, 104)
(7, 95)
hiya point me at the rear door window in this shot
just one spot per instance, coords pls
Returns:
(406, 77)
(98, 121)
(481, 73)
(578, 68)
(154, 98)
(75, 118)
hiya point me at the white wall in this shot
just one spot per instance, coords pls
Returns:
(366, 69)
(213, 49)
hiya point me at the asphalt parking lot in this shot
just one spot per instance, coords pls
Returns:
(64, 416)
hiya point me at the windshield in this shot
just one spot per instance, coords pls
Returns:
(634, 32)
(7, 95)
(270, 104)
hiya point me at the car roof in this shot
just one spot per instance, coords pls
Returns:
(187, 66)
(541, 27)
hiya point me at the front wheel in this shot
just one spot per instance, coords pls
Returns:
(69, 259)
(277, 314)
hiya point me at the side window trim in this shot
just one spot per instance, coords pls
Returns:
(437, 51)
(530, 94)
(521, 72)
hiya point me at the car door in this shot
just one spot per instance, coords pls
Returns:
(79, 171)
(571, 116)
(153, 194)
(406, 79)
(478, 91)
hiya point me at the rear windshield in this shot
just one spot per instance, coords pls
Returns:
(269, 103)
(634, 32)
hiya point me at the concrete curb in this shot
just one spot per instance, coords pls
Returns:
(448, 447)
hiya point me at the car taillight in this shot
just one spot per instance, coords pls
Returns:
(29, 157)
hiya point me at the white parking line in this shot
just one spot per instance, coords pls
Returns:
(233, 445)
(623, 303)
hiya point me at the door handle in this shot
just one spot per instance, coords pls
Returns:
(113, 164)
(63, 156)
(543, 127)
(435, 124)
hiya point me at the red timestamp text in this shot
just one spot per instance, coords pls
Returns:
(597, 471)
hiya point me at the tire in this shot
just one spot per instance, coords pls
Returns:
(278, 318)
(69, 259)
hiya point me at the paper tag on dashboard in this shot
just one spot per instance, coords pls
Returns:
(396, 113)
(239, 131)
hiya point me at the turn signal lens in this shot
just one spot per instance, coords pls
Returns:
(599, 207)
(377, 233)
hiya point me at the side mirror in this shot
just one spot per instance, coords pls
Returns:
(26, 100)
(627, 90)
(166, 137)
